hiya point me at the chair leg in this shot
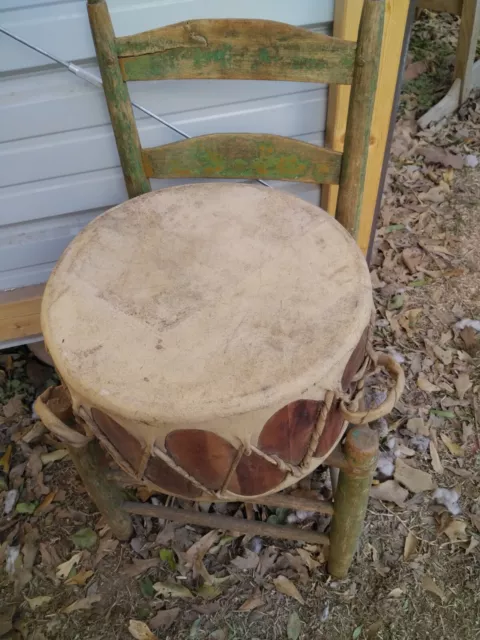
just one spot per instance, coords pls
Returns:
(351, 498)
(91, 464)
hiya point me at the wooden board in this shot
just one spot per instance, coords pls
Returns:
(236, 49)
(347, 18)
(20, 312)
(449, 6)
(247, 156)
(467, 44)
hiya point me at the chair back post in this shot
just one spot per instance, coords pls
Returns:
(118, 99)
(362, 98)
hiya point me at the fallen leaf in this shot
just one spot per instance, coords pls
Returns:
(438, 155)
(82, 604)
(168, 556)
(412, 257)
(46, 502)
(64, 569)
(456, 531)
(413, 479)
(252, 603)
(53, 456)
(357, 632)
(39, 601)
(436, 463)
(454, 448)
(140, 631)
(424, 384)
(164, 619)
(444, 355)
(14, 406)
(286, 586)
(414, 69)
(172, 590)
(5, 459)
(418, 426)
(267, 559)
(85, 538)
(248, 562)
(200, 548)
(474, 542)
(10, 501)
(219, 634)
(80, 578)
(140, 566)
(209, 591)
(410, 546)
(307, 559)
(441, 413)
(374, 629)
(429, 585)
(106, 546)
(396, 593)
(390, 491)
(475, 519)
(462, 384)
(26, 507)
(294, 626)
(6, 618)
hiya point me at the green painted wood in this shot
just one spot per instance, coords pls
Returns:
(118, 100)
(357, 135)
(236, 49)
(248, 156)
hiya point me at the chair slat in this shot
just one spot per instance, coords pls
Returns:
(247, 156)
(236, 49)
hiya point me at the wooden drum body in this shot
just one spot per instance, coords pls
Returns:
(207, 336)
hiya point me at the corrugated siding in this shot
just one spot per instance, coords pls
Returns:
(59, 166)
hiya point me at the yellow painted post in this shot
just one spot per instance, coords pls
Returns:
(346, 21)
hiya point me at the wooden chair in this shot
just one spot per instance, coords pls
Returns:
(258, 50)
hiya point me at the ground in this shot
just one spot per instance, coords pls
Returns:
(417, 570)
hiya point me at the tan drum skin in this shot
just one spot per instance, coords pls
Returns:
(207, 334)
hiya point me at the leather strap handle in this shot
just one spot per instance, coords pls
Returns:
(369, 415)
(55, 424)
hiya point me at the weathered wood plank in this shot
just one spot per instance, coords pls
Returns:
(467, 44)
(118, 100)
(357, 137)
(247, 156)
(236, 49)
(449, 6)
(20, 312)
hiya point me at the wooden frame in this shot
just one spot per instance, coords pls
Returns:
(346, 24)
(20, 312)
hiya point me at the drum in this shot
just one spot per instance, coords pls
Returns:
(210, 337)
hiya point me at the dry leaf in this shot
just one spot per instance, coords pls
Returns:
(436, 463)
(106, 546)
(414, 69)
(267, 560)
(252, 603)
(396, 593)
(418, 426)
(164, 619)
(414, 480)
(438, 155)
(454, 448)
(80, 578)
(390, 491)
(475, 519)
(456, 531)
(250, 561)
(219, 634)
(140, 631)
(83, 603)
(294, 626)
(53, 456)
(63, 570)
(286, 586)
(307, 559)
(429, 585)
(39, 601)
(424, 384)
(444, 355)
(46, 502)
(474, 542)
(412, 258)
(410, 546)
(140, 566)
(462, 384)
(172, 590)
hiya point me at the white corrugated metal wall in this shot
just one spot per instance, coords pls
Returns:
(59, 166)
